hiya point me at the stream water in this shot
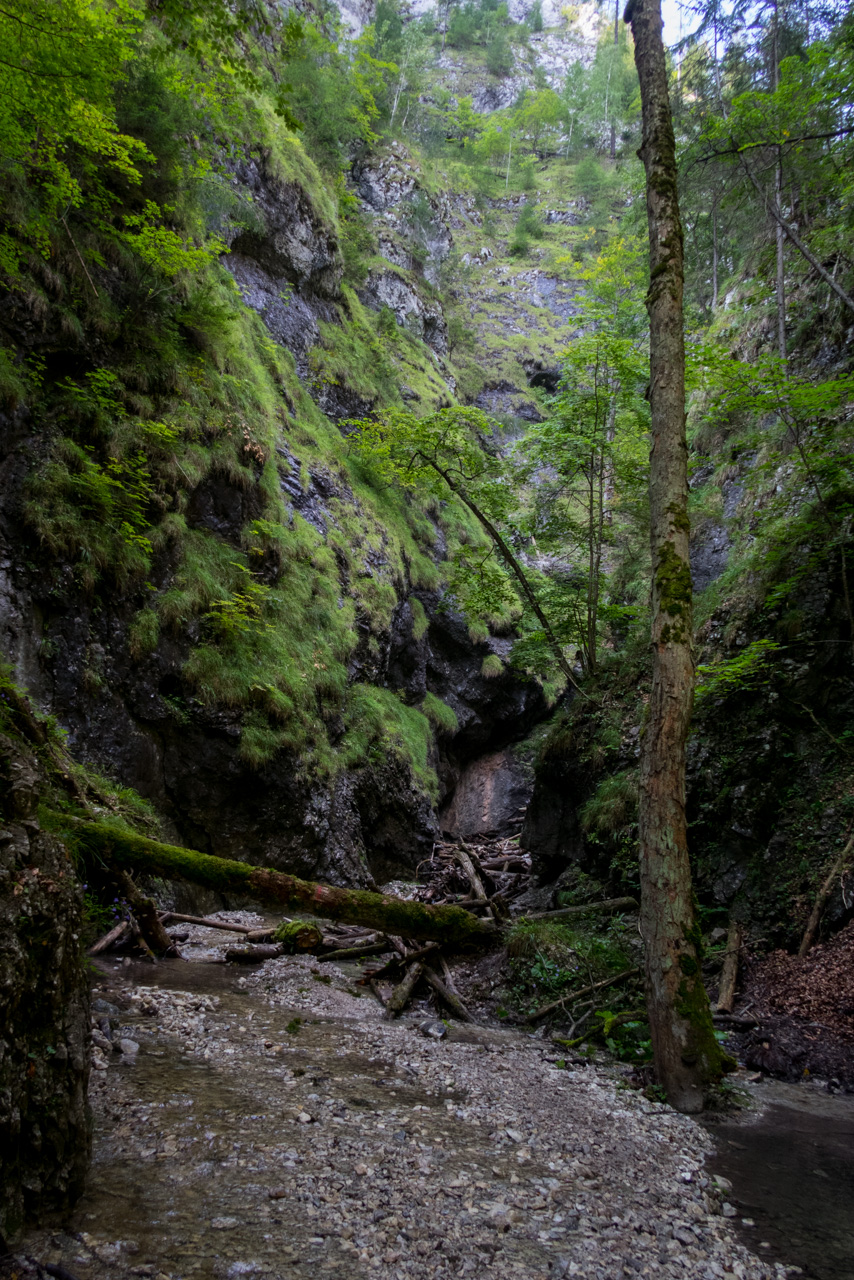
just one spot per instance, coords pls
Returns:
(792, 1168)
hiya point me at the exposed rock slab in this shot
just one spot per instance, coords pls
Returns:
(489, 794)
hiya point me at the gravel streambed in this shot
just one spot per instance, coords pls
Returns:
(272, 1125)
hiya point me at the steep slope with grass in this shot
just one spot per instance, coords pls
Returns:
(201, 579)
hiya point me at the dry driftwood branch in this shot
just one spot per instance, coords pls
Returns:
(400, 997)
(463, 858)
(729, 973)
(353, 953)
(253, 955)
(375, 910)
(609, 904)
(733, 1022)
(822, 899)
(572, 996)
(396, 961)
(153, 934)
(451, 999)
(422, 951)
(103, 944)
(375, 988)
(204, 920)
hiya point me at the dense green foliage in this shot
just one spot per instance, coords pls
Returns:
(124, 131)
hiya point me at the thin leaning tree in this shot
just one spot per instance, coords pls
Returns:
(688, 1059)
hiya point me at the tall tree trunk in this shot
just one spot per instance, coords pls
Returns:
(687, 1057)
(714, 254)
(778, 199)
(616, 42)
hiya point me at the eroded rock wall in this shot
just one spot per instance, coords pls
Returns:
(44, 1006)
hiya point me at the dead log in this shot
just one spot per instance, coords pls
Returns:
(253, 955)
(451, 999)
(462, 857)
(395, 962)
(729, 973)
(572, 996)
(374, 910)
(104, 944)
(609, 904)
(823, 896)
(400, 997)
(153, 934)
(375, 989)
(297, 937)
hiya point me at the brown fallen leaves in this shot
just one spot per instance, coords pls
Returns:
(817, 989)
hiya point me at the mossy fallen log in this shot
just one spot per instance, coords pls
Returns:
(100, 840)
(296, 935)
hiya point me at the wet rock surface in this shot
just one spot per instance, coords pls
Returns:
(275, 1125)
(44, 1119)
(489, 795)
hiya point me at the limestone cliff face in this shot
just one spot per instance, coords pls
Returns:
(44, 1006)
(288, 267)
(136, 716)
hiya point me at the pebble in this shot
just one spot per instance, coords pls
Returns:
(350, 1146)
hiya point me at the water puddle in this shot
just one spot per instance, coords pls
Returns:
(792, 1170)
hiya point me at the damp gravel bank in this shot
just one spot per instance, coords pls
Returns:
(273, 1125)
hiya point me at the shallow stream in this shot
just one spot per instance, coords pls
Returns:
(792, 1170)
(272, 1125)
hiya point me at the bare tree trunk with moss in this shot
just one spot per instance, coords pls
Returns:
(780, 234)
(125, 850)
(688, 1059)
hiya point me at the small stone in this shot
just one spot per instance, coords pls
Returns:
(101, 1042)
(729, 1210)
(129, 1048)
(304, 1117)
(224, 1224)
(433, 1030)
(361, 1169)
(104, 1007)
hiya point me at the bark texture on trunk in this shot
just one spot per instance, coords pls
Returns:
(126, 850)
(687, 1057)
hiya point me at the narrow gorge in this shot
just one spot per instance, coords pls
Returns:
(324, 550)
